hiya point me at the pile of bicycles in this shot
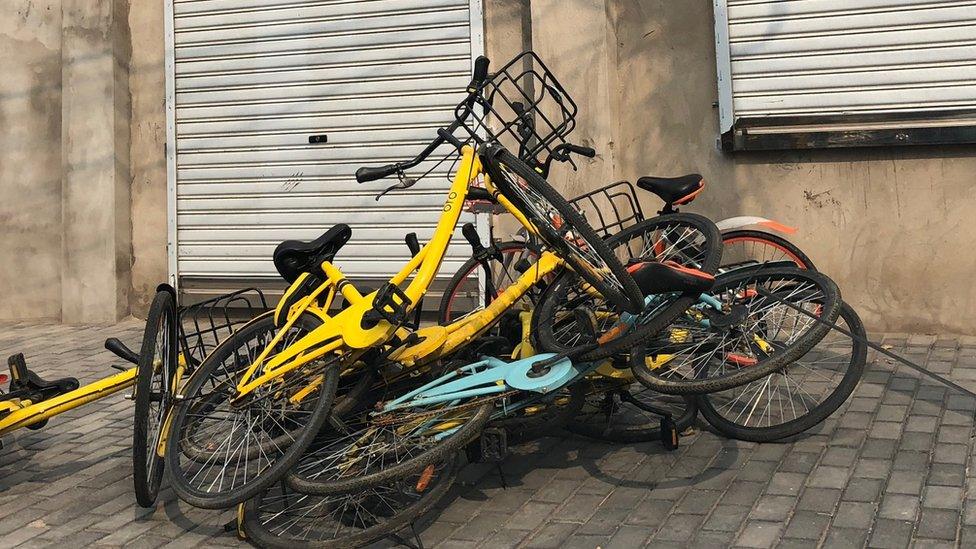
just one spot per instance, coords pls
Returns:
(338, 417)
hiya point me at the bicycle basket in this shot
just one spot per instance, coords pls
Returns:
(205, 325)
(610, 209)
(524, 108)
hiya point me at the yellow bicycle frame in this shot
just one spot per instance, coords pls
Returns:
(26, 413)
(345, 331)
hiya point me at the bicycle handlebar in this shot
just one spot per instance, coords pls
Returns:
(366, 174)
(444, 135)
(121, 350)
(588, 152)
(479, 74)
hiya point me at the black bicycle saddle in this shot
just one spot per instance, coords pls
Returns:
(674, 190)
(655, 277)
(294, 257)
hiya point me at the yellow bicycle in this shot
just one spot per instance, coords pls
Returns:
(175, 340)
(254, 405)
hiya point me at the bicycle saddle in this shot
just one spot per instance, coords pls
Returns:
(26, 380)
(294, 257)
(674, 190)
(655, 277)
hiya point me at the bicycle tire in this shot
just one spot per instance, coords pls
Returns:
(351, 396)
(829, 311)
(837, 397)
(628, 296)
(147, 465)
(456, 284)
(787, 248)
(286, 458)
(299, 481)
(260, 533)
(556, 294)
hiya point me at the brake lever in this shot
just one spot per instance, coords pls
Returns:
(404, 183)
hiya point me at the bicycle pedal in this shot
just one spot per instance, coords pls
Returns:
(494, 445)
(669, 433)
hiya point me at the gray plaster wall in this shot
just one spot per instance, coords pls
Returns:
(64, 160)
(30, 159)
(147, 82)
(893, 226)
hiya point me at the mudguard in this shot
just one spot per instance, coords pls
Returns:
(748, 221)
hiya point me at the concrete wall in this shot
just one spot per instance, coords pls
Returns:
(30, 159)
(147, 82)
(64, 160)
(894, 227)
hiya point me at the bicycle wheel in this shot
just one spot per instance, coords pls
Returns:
(754, 334)
(544, 418)
(353, 388)
(619, 409)
(799, 396)
(687, 239)
(154, 375)
(369, 449)
(563, 228)
(281, 518)
(760, 247)
(219, 452)
(465, 294)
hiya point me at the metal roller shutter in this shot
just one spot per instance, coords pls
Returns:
(251, 80)
(800, 60)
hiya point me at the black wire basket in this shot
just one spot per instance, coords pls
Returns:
(524, 107)
(610, 209)
(206, 324)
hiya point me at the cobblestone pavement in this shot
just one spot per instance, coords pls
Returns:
(890, 469)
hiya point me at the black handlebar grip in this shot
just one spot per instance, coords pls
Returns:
(365, 175)
(480, 71)
(121, 351)
(412, 243)
(588, 152)
(471, 235)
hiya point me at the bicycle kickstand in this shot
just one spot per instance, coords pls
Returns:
(417, 543)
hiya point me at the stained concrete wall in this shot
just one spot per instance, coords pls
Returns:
(894, 226)
(30, 159)
(147, 82)
(64, 160)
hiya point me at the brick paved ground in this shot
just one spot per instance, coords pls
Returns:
(891, 469)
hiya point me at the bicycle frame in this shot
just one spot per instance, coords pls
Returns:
(26, 413)
(345, 332)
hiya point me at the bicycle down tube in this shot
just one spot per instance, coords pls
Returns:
(346, 328)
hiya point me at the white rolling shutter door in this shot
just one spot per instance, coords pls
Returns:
(844, 57)
(255, 78)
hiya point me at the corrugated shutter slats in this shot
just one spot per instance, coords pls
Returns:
(850, 57)
(254, 78)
